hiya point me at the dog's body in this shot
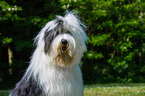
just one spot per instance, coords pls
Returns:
(54, 68)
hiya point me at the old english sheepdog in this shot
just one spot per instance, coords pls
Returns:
(54, 67)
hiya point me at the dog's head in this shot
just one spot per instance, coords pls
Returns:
(63, 40)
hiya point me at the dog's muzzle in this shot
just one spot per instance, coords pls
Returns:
(64, 44)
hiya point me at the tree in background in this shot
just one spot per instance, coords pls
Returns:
(7, 16)
(116, 30)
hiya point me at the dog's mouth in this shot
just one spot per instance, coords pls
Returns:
(64, 56)
(64, 48)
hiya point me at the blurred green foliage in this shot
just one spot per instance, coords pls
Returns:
(116, 31)
(115, 28)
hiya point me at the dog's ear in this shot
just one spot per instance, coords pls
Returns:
(51, 34)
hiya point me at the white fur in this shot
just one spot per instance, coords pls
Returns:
(58, 80)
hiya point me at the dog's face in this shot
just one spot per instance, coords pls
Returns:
(64, 40)
(63, 46)
(60, 44)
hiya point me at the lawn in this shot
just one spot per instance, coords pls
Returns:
(108, 90)
(4, 92)
(115, 90)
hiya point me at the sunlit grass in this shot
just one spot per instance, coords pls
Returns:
(107, 90)
(115, 90)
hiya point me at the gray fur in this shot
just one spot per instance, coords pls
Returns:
(50, 35)
(28, 87)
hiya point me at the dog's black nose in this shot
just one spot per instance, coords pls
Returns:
(63, 41)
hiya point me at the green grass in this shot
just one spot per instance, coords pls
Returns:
(115, 90)
(4, 92)
(132, 89)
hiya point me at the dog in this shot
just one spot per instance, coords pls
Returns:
(54, 68)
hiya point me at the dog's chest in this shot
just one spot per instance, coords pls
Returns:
(63, 82)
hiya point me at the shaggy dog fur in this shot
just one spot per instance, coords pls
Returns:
(54, 67)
